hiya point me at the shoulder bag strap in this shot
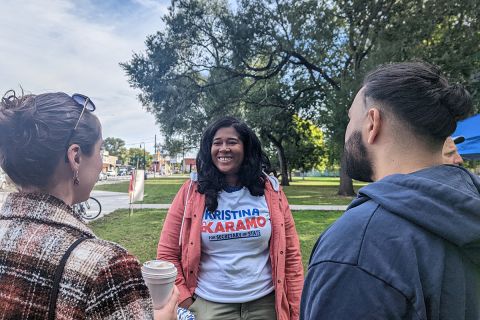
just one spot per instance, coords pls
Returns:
(58, 276)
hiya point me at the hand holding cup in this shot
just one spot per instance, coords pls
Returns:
(169, 311)
(159, 277)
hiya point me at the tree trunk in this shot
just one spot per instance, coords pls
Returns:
(281, 158)
(346, 183)
(283, 165)
(290, 175)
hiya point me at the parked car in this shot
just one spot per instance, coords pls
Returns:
(122, 171)
(112, 173)
(102, 176)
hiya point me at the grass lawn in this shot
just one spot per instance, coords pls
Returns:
(156, 190)
(311, 190)
(140, 232)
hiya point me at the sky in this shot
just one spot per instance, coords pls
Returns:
(75, 46)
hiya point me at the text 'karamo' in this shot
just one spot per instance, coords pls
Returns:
(233, 226)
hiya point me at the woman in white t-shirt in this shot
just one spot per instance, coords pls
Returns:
(239, 254)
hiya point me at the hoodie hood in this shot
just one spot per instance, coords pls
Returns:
(444, 200)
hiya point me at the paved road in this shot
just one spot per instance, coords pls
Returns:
(112, 201)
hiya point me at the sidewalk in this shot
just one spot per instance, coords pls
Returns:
(112, 201)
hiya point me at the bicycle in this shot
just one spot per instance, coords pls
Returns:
(89, 209)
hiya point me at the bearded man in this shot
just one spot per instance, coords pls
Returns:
(408, 247)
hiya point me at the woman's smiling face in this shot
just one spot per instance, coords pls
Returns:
(227, 152)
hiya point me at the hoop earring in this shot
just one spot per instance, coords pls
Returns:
(75, 178)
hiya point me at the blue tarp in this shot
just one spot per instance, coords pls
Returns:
(470, 129)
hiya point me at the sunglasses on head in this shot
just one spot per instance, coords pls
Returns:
(87, 104)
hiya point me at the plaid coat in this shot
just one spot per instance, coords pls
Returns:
(100, 280)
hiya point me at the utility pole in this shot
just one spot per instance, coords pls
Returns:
(156, 160)
(144, 160)
(183, 154)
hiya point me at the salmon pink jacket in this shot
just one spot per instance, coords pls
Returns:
(180, 243)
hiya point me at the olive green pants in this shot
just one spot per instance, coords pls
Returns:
(260, 309)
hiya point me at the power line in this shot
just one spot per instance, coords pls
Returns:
(143, 141)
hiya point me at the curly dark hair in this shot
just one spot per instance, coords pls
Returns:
(211, 181)
(33, 134)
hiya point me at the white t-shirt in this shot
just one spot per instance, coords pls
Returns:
(235, 262)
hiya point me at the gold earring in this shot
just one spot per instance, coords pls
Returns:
(75, 178)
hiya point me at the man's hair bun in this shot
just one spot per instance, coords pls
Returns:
(458, 101)
(418, 94)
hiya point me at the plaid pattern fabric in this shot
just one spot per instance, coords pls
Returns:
(100, 281)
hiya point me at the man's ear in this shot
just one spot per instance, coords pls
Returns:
(73, 156)
(374, 124)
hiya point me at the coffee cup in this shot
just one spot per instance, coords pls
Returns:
(159, 276)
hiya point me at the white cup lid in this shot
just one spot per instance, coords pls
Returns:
(147, 274)
(159, 264)
(159, 268)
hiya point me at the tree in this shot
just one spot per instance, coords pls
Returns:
(185, 83)
(113, 145)
(262, 51)
(116, 147)
(268, 60)
(305, 149)
(123, 155)
(449, 37)
(136, 157)
(173, 147)
(179, 145)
